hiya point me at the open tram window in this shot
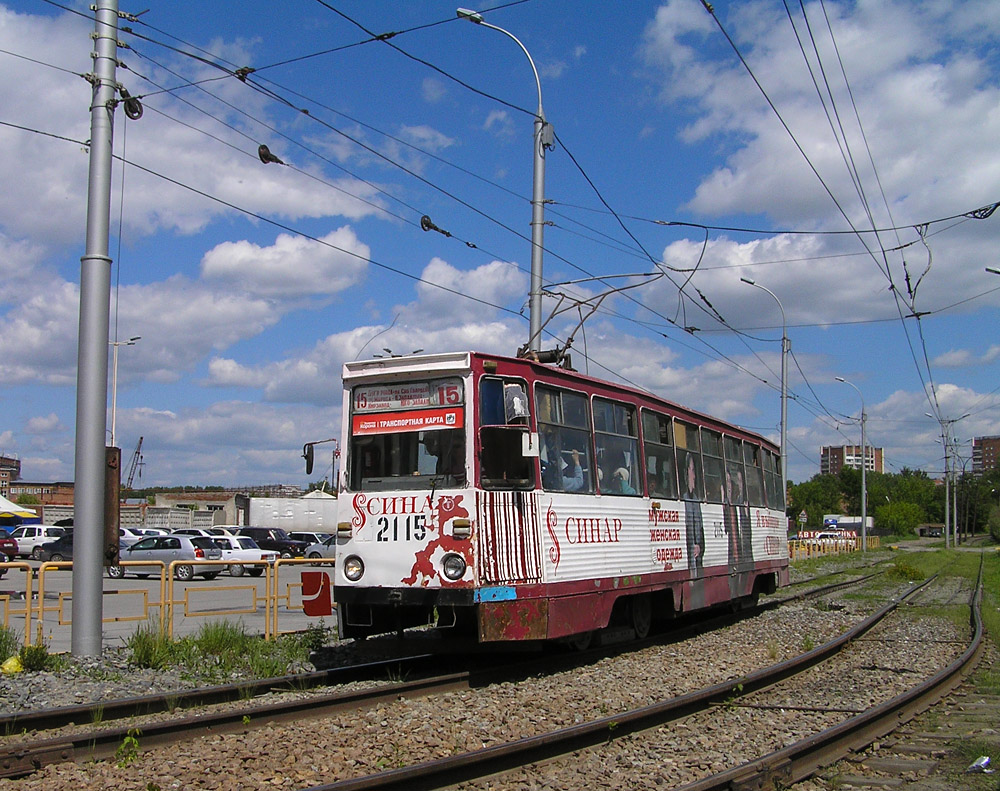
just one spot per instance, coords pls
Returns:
(564, 440)
(658, 447)
(503, 418)
(688, 445)
(616, 436)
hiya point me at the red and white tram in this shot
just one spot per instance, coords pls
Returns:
(520, 501)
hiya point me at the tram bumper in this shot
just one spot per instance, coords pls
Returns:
(369, 611)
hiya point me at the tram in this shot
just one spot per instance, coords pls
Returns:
(512, 500)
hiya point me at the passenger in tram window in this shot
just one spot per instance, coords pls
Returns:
(619, 482)
(555, 467)
(692, 517)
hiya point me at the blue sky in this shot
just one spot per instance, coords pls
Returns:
(250, 283)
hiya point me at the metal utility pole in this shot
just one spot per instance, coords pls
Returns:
(864, 466)
(786, 347)
(92, 354)
(542, 140)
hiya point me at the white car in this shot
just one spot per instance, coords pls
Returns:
(241, 550)
(31, 537)
(127, 536)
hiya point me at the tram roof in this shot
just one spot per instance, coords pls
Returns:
(443, 363)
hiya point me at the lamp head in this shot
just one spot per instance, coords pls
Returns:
(840, 379)
(748, 281)
(472, 16)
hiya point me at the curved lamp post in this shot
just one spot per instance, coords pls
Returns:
(785, 348)
(542, 141)
(864, 466)
(114, 379)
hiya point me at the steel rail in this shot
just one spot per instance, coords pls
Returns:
(400, 665)
(20, 759)
(801, 759)
(499, 758)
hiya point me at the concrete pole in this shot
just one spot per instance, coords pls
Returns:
(92, 353)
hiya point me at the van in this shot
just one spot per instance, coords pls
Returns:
(31, 537)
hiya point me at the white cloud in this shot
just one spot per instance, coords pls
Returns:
(433, 90)
(43, 425)
(292, 267)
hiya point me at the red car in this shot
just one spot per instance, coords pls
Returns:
(8, 548)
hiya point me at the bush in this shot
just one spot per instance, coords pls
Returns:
(36, 657)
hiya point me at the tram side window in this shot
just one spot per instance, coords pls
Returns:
(616, 435)
(564, 440)
(503, 417)
(711, 448)
(735, 478)
(755, 479)
(658, 447)
(772, 481)
(689, 469)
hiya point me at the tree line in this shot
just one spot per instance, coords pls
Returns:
(900, 502)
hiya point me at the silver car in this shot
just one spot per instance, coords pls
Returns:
(327, 548)
(167, 549)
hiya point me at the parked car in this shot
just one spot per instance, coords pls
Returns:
(242, 549)
(8, 548)
(31, 537)
(129, 535)
(277, 539)
(309, 537)
(323, 549)
(191, 531)
(167, 549)
(224, 530)
(56, 551)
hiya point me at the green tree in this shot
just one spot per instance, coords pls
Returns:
(28, 499)
(898, 518)
(817, 496)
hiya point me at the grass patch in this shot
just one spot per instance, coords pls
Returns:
(220, 652)
(10, 643)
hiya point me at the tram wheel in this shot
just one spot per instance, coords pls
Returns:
(641, 615)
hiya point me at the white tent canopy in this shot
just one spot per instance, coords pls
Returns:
(7, 508)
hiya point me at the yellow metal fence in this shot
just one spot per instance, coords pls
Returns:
(167, 605)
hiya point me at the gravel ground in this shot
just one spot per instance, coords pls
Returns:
(407, 731)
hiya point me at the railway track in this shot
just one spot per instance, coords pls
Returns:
(430, 674)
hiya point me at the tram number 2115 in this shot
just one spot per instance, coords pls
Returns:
(412, 527)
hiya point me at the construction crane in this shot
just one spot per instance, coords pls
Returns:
(135, 464)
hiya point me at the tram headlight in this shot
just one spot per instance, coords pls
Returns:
(354, 568)
(454, 566)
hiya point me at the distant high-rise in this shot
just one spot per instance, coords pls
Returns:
(833, 458)
(985, 454)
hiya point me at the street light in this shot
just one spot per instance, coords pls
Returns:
(542, 140)
(786, 347)
(114, 379)
(946, 425)
(864, 466)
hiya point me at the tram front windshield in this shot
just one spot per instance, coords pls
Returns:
(424, 459)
